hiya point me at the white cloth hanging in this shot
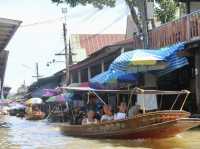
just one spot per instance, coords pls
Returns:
(150, 101)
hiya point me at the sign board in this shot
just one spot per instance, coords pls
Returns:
(150, 9)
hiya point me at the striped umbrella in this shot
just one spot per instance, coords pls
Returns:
(141, 60)
(113, 79)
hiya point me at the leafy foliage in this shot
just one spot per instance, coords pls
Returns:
(101, 3)
(96, 3)
(166, 11)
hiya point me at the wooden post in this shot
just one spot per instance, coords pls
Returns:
(197, 78)
(188, 30)
(79, 76)
(71, 78)
(102, 66)
(89, 73)
(122, 50)
(143, 105)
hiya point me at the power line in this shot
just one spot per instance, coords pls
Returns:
(88, 17)
(96, 14)
(58, 19)
(105, 28)
(42, 22)
(101, 31)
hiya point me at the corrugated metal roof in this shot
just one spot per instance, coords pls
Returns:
(95, 55)
(7, 29)
(93, 42)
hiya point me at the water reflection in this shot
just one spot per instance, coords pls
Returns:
(39, 135)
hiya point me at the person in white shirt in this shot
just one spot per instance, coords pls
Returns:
(122, 112)
(107, 113)
(90, 118)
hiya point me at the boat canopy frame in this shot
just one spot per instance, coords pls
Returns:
(135, 90)
(132, 92)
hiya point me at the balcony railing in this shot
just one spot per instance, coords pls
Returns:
(186, 28)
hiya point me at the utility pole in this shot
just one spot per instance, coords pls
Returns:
(64, 11)
(143, 10)
(1, 89)
(145, 23)
(37, 76)
(66, 54)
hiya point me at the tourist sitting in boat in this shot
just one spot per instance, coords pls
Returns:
(99, 113)
(91, 103)
(107, 113)
(122, 112)
(90, 118)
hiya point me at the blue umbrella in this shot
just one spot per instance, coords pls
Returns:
(143, 60)
(125, 68)
(113, 79)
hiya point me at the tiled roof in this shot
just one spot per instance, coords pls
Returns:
(93, 42)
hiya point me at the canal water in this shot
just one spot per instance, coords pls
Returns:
(23, 134)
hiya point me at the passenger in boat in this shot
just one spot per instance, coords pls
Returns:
(107, 113)
(99, 113)
(122, 112)
(91, 105)
(90, 118)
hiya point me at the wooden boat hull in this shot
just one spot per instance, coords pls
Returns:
(160, 124)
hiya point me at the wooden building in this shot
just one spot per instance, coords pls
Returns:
(185, 29)
(37, 88)
(83, 45)
(191, 5)
(100, 60)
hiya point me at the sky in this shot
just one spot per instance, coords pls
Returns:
(40, 35)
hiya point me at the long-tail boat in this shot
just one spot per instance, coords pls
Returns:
(157, 124)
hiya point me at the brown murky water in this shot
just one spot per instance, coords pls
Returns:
(24, 134)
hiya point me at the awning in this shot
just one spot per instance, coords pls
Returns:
(49, 92)
(57, 99)
(7, 29)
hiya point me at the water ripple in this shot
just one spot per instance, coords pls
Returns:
(23, 134)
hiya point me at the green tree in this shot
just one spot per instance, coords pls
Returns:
(166, 10)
